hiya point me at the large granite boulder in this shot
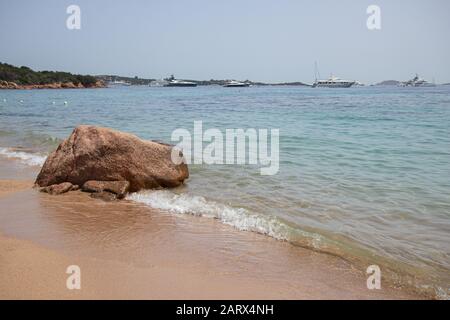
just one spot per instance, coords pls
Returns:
(102, 154)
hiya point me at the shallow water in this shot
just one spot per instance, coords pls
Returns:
(364, 172)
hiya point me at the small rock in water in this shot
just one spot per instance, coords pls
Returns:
(104, 195)
(120, 188)
(58, 188)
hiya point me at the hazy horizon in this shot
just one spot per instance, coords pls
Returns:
(264, 41)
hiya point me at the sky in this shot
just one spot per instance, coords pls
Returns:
(260, 40)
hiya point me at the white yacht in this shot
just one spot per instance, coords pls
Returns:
(333, 82)
(157, 83)
(119, 83)
(172, 82)
(235, 84)
(417, 82)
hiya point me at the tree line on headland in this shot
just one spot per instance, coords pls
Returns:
(12, 77)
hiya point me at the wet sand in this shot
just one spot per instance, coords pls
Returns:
(129, 251)
(10, 186)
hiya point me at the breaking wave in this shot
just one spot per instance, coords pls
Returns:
(27, 158)
(245, 220)
(240, 218)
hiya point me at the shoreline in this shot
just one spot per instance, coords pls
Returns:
(5, 85)
(130, 251)
(169, 274)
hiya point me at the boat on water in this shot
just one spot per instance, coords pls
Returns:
(417, 82)
(235, 84)
(172, 82)
(333, 82)
(119, 83)
(157, 83)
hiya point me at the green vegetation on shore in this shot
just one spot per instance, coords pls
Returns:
(26, 76)
(12, 77)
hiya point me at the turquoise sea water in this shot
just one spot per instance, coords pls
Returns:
(364, 172)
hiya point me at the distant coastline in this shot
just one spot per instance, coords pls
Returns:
(389, 83)
(12, 77)
(53, 85)
(136, 81)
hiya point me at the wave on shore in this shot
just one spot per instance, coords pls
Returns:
(245, 220)
(240, 218)
(27, 158)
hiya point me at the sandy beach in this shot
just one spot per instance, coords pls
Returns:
(10, 186)
(216, 151)
(129, 251)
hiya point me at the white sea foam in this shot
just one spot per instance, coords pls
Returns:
(239, 218)
(30, 159)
